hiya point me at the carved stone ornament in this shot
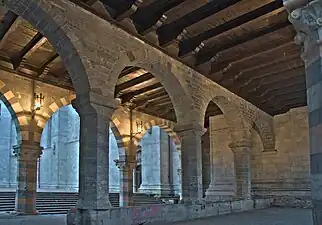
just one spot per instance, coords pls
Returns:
(307, 21)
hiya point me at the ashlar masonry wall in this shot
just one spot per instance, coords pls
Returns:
(282, 175)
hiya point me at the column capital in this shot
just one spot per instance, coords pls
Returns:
(123, 164)
(27, 151)
(94, 103)
(307, 20)
(195, 127)
(239, 146)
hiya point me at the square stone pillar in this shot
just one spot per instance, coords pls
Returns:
(191, 160)
(95, 112)
(308, 24)
(242, 164)
(27, 155)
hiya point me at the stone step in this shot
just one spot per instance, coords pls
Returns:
(49, 203)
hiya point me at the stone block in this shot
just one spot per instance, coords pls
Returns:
(165, 213)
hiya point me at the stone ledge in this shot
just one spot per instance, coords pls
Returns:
(169, 213)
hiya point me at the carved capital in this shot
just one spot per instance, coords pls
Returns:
(307, 21)
(29, 152)
(241, 146)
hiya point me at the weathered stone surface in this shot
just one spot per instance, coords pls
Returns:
(175, 213)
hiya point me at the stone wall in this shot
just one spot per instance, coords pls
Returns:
(160, 214)
(285, 173)
(282, 175)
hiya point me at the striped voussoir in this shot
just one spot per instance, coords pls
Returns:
(12, 103)
(114, 124)
(314, 99)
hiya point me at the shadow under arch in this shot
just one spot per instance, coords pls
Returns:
(232, 117)
(35, 12)
(181, 100)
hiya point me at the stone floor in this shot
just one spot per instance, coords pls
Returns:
(259, 217)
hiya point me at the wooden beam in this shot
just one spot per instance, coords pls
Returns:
(291, 105)
(286, 101)
(283, 67)
(127, 12)
(224, 59)
(169, 32)
(259, 82)
(118, 8)
(121, 87)
(296, 90)
(8, 20)
(189, 45)
(131, 96)
(148, 99)
(44, 69)
(238, 69)
(274, 86)
(151, 17)
(128, 70)
(269, 66)
(17, 59)
(208, 53)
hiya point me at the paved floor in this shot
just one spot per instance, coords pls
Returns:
(259, 217)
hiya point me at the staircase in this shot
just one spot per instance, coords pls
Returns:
(144, 199)
(61, 202)
(49, 202)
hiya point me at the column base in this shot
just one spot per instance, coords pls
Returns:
(221, 191)
(17, 213)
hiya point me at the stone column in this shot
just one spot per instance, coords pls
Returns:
(191, 160)
(95, 112)
(242, 164)
(308, 23)
(126, 181)
(27, 154)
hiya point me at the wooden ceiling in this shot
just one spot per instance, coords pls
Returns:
(244, 45)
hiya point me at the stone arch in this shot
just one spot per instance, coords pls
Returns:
(17, 113)
(119, 139)
(162, 70)
(166, 126)
(234, 118)
(266, 133)
(36, 13)
(56, 105)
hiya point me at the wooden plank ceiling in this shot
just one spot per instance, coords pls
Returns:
(244, 45)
